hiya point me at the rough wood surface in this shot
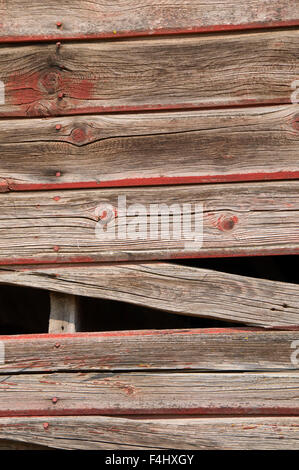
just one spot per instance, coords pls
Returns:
(23, 21)
(69, 226)
(209, 71)
(64, 314)
(152, 148)
(114, 433)
(172, 288)
(220, 349)
(149, 393)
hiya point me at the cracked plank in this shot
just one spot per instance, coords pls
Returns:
(148, 149)
(169, 73)
(70, 226)
(172, 288)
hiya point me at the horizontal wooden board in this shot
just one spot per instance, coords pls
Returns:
(71, 226)
(206, 349)
(176, 289)
(151, 148)
(78, 19)
(115, 433)
(169, 73)
(142, 393)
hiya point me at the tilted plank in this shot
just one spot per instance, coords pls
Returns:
(146, 149)
(241, 69)
(194, 393)
(173, 288)
(205, 349)
(115, 433)
(71, 226)
(77, 19)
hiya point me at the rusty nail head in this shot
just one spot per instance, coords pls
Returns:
(46, 425)
(57, 345)
(54, 400)
(58, 24)
(58, 127)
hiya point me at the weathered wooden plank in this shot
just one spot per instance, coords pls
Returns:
(78, 19)
(152, 148)
(223, 349)
(64, 313)
(71, 226)
(194, 393)
(172, 288)
(187, 72)
(114, 433)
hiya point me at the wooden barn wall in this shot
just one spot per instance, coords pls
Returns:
(173, 102)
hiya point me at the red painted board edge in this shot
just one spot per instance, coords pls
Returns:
(152, 32)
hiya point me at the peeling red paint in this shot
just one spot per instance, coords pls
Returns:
(11, 185)
(59, 35)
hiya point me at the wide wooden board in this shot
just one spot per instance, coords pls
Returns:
(149, 393)
(115, 433)
(172, 288)
(71, 226)
(150, 148)
(220, 349)
(168, 73)
(24, 21)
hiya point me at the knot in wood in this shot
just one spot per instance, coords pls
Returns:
(226, 222)
(50, 81)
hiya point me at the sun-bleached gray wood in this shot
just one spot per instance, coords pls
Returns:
(64, 313)
(114, 433)
(253, 143)
(222, 349)
(69, 226)
(169, 73)
(102, 393)
(80, 19)
(172, 288)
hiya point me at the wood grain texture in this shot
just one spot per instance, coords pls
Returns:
(79, 19)
(152, 148)
(69, 226)
(114, 433)
(172, 288)
(149, 393)
(169, 73)
(220, 349)
(64, 313)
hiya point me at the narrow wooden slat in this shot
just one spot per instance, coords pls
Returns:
(113, 433)
(149, 393)
(77, 19)
(69, 226)
(206, 349)
(172, 288)
(169, 73)
(146, 149)
(64, 314)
